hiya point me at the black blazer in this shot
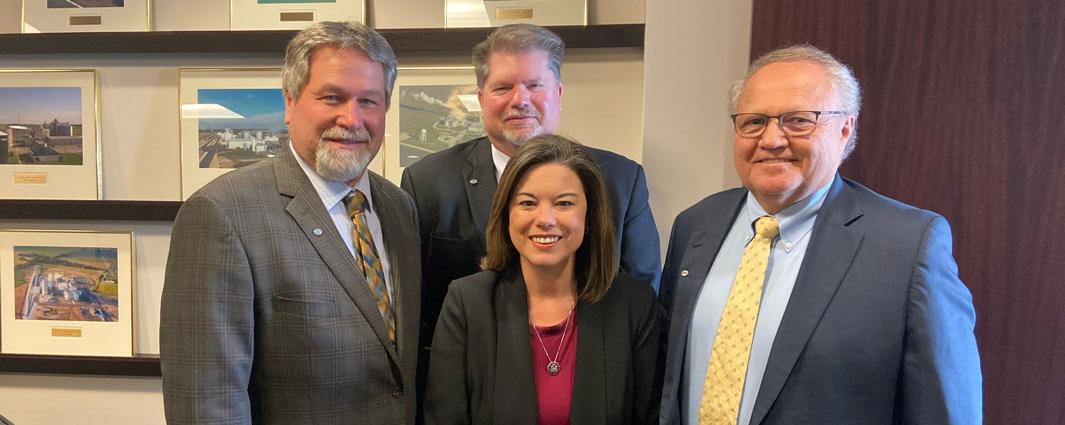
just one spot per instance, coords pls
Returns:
(453, 189)
(481, 368)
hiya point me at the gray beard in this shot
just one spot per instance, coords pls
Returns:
(341, 165)
(519, 138)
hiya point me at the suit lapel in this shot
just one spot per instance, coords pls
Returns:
(699, 256)
(515, 389)
(307, 211)
(833, 245)
(589, 404)
(480, 180)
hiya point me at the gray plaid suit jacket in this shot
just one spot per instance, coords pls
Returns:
(265, 317)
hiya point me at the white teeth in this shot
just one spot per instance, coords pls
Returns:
(546, 239)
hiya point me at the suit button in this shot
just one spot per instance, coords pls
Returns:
(684, 273)
(397, 392)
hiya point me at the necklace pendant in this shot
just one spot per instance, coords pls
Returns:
(553, 368)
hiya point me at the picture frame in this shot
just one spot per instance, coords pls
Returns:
(432, 109)
(214, 99)
(85, 15)
(229, 118)
(292, 14)
(496, 13)
(66, 293)
(50, 141)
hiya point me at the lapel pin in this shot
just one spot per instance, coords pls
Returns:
(684, 273)
(473, 181)
(317, 231)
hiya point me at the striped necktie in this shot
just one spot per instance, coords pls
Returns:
(369, 261)
(723, 387)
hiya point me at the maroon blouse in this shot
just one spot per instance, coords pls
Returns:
(554, 393)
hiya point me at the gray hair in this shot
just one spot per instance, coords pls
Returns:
(840, 78)
(518, 38)
(340, 35)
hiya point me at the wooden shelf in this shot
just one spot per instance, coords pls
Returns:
(139, 365)
(402, 40)
(89, 210)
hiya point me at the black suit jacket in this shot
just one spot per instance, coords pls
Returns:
(453, 190)
(878, 330)
(481, 369)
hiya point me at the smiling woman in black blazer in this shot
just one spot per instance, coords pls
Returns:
(549, 333)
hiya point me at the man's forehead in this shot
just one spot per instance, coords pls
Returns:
(506, 57)
(802, 83)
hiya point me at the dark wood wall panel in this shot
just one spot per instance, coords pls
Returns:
(964, 114)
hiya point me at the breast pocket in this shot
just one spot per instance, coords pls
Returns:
(305, 308)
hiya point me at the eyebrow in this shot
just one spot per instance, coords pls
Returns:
(561, 195)
(329, 88)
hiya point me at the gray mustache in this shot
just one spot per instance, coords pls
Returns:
(359, 135)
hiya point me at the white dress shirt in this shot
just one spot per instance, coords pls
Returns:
(500, 160)
(332, 194)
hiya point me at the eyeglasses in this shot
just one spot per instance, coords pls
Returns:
(797, 123)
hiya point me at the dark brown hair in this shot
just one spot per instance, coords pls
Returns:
(595, 262)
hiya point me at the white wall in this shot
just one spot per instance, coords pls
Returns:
(694, 50)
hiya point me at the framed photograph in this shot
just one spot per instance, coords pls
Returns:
(495, 13)
(66, 293)
(85, 15)
(432, 109)
(49, 134)
(230, 118)
(292, 14)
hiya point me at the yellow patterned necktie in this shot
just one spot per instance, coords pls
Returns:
(370, 262)
(723, 386)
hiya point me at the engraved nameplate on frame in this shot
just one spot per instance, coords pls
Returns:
(66, 332)
(86, 20)
(297, 16)
(504, 14)
(31, 178)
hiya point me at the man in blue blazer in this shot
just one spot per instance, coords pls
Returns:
(859, 317)
(518, 71)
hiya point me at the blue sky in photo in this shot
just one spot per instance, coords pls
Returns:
(262, 108)
(35, 105)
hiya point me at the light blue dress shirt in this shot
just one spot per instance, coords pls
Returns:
(789, 248)
(332, 194)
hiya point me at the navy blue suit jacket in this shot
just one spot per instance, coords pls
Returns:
(878, 330)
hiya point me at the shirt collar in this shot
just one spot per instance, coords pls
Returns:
(500, 160)
(795, 221)
(332, 192)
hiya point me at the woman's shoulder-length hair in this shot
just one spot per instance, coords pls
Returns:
(596, 264)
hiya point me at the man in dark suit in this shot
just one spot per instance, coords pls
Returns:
(848, 309)
(520, 91)
(292, 287)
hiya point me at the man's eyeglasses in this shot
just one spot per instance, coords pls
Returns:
(793, 124)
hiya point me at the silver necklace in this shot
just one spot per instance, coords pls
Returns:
(553, 367)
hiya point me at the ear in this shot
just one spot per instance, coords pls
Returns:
(848, 128)
(289, 104)
(480, 97)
